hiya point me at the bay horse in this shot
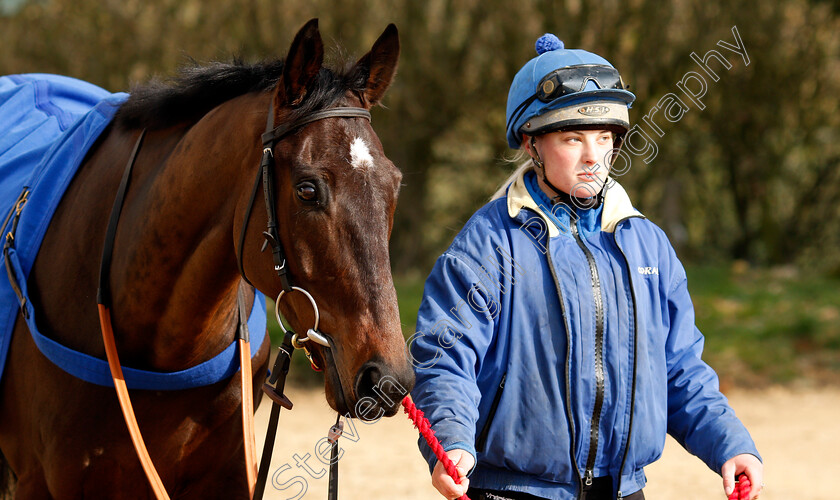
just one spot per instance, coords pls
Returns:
(175, 276)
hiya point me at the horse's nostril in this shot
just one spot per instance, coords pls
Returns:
(367, 380)
(379, 389)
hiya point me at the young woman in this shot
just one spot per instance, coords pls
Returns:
(556, 343)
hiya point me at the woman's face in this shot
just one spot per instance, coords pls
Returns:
(576, 161)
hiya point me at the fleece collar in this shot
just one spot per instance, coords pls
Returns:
(617, 205)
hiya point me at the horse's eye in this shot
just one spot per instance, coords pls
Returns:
(306, 192)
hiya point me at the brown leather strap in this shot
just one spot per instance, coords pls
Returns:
(134, 429)
(244, 337)
(125, 404)
(248, 416)
(103, 299)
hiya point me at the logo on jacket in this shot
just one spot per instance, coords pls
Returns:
(648, 270)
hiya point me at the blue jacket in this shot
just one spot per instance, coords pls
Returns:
(546, 341)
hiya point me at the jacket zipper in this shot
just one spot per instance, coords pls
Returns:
(635, 349)
(569, 415)
(599, 360)
(482, 437)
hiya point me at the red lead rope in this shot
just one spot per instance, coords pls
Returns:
(422, 425)
(742, 489)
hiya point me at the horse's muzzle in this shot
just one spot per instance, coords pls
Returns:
(379, 389)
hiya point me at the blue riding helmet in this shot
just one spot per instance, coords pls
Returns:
(562, 88)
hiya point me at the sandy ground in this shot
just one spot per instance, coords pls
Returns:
(796, 430)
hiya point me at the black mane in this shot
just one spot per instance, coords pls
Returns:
(198, 89)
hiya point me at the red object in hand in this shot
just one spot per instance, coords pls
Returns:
(742, 489)
(422, 425)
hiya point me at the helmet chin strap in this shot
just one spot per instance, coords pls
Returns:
(561, 196)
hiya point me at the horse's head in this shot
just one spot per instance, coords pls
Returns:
(336, 192)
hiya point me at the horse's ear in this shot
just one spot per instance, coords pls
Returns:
(380, 64)
(301, 66)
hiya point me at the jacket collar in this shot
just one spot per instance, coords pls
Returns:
(617, 205)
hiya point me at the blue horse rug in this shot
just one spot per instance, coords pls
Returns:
(47, 125)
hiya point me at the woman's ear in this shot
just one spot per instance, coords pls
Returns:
(531, 149)
(529, 145)
(526, 143)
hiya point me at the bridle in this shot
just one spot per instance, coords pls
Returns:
(291, 340)
(270, 138)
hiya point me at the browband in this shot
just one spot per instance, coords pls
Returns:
(274, 135)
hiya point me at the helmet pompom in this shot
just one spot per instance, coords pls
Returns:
(548, 42)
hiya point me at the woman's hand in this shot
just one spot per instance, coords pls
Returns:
(444, 483)
(743, 464)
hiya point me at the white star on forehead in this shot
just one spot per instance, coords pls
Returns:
(360, 154)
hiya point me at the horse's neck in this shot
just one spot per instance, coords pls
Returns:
(174, 272)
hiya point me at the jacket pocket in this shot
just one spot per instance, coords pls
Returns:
(481, 441)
